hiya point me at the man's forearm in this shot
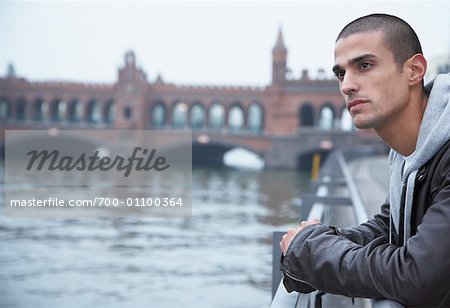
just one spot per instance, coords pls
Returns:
(370, 230)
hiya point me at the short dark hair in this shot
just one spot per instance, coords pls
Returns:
(399, 36)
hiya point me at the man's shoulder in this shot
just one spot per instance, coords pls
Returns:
(444, 150)
(441, 160)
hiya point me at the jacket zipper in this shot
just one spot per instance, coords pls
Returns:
(401, 226)
(292, 276)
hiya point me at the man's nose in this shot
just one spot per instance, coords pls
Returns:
(349, 84)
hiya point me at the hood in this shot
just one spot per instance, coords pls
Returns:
(433, 134)
(435, 128)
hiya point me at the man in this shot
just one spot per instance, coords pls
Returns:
(403, 253)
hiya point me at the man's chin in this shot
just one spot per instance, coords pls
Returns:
(362, 125)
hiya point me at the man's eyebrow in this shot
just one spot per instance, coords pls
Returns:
(336, 69)
(356, 60)
(361, 58)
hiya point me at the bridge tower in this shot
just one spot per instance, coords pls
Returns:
(131, 91)
(279, 56)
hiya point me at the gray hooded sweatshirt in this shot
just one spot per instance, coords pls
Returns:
(434, 132)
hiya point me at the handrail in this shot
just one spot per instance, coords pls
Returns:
(282, 298)
(358, 205)
(385, 303)
(318, 208)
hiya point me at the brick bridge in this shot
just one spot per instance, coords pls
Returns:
(281, 122)
(293, 151)
(286, 152)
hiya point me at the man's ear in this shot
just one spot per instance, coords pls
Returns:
(417, 66)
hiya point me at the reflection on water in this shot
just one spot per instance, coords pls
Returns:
(220, 257)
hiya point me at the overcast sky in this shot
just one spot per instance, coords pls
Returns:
(209, 42)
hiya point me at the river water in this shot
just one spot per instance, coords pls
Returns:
(219, 257)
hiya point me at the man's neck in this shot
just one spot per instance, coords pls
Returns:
(401, 134)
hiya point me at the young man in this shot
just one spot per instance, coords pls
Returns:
(403, 253)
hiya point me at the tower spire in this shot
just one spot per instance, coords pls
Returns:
(279, 57)
(280, 41)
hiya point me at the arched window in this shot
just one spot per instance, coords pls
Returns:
(127, 112)
(326, 118)
(158, 115)
(179, 115)
(306, 115)
(75, 111)
(21, 109)
(108, 113)
(57, 110)
(94, 112)
(39, 110)
(255, 118)
(197, 117)
(235, 118)
(54, 111)
(45, 111)
(216, 116)
(346, 121)
(5, 109)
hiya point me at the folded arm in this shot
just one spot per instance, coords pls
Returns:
(342, 262)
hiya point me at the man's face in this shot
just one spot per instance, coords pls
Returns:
(375, 89)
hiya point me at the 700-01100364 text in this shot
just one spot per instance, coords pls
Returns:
(141, 201)
(98, 202)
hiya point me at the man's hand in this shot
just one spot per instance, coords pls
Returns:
(287, 238)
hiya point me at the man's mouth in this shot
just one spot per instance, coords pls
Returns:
(354, 102)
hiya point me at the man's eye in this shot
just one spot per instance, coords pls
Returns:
(365, 65)
(340, 75)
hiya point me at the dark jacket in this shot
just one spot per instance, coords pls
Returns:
(360, 261)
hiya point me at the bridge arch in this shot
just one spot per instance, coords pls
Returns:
(346, 123)
(306, 115)
(158, 114)
(213, 153)
(179, 114)
(93, 112)
(216, 116)
(255, 117)
(236, 118)
(21, 109)
(74, 111)
(39, 110)
(197, 116)
(108, 112)
(5, 109)
(305, 159)
(56, 110)
(327, 116)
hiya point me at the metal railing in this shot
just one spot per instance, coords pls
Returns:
(283, 299)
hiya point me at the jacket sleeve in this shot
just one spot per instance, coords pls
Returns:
(370, 230)
(361, 234)
(294, 284)
(414, 274)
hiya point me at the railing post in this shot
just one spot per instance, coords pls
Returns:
(358, 206)
(282, 299)
(276, 255)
